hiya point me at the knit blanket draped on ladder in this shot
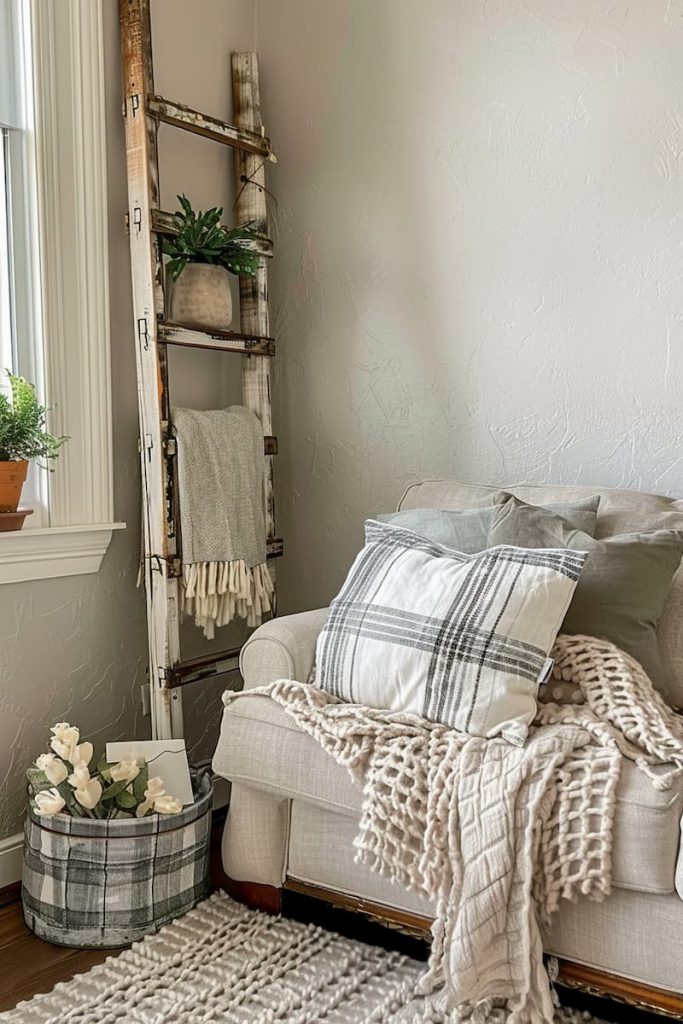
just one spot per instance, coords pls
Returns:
(221, 485)
(496, 835)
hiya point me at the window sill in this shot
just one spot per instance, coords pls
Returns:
(54, 551)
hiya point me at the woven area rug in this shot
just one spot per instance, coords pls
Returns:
(224, 963)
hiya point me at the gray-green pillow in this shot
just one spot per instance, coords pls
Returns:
(467, 530)
(624, 582)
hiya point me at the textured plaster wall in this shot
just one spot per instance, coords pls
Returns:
(478, 275)
(75, 648)
(479, 253)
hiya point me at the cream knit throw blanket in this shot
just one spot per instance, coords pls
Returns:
(493, 833)
(221, 484)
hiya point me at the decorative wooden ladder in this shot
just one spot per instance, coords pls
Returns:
(147, 224)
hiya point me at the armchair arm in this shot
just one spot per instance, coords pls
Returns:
(282, 649)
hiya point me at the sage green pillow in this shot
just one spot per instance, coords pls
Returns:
(467, 530)
(624, 582)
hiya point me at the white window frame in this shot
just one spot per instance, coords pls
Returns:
(22, 216)
(67, 325)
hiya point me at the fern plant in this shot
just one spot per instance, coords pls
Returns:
(23, 433)
(202, 238)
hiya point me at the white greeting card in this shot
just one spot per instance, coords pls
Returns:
(165, 758)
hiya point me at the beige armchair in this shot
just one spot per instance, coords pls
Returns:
(294, 812)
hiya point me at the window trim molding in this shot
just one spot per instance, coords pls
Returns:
(53, 551)
(71, 173)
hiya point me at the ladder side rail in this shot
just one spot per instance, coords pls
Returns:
(161, 590)
(250, 206)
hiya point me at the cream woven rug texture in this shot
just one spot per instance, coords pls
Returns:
(225, 963)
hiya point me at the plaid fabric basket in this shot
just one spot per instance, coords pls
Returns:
(107, 883)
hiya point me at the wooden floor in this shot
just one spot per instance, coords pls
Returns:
(29, 965)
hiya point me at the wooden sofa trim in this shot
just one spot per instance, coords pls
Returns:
(572, 975)
(415, 925)
(623, 990)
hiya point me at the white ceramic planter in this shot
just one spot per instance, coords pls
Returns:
(201, 297)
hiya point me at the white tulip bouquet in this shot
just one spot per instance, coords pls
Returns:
(63, 781)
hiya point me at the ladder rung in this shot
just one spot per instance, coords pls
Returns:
(221, 341)
(207, 667)
(180, 116)
(275, 547)
(270, 445)
(164, 224)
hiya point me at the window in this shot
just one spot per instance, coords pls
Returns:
(54, 301)
(20, 299)
(7, 348)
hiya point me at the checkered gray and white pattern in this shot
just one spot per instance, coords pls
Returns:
(89, 882)
(459, 639)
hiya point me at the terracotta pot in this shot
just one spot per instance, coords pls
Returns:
(10, 522)
(201, 297)
(12, 476)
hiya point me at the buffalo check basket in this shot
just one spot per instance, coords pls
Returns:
(98, 883)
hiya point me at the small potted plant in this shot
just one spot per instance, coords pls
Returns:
(202, 254)
(109, 855)
(23, 437)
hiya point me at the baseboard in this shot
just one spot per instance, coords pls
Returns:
(11, 850)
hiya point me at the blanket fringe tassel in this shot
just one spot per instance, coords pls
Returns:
(215, 593)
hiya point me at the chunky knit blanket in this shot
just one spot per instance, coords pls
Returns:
(495, 834)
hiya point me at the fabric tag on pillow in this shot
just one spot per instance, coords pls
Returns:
(546, 671)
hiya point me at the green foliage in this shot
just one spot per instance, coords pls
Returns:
(116, 788)
(37, 780)
(88, 789)
(23, 433)
(120, 797)
(202, 238)
(140, 783)
(126, 801)
(72, 805)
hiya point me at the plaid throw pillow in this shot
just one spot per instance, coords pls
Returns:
(459, 639)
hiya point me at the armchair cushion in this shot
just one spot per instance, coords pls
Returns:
(620, 511)
(459, 639)
(262, 747)
(467, 530)
(624, 583)
(282, 649)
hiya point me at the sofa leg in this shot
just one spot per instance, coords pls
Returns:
(255, 895)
